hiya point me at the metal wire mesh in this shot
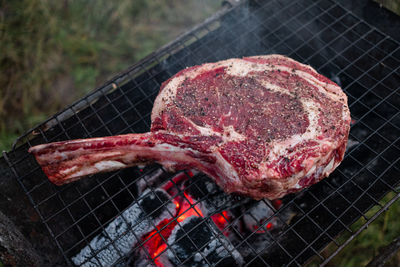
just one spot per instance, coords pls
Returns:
(363, 60)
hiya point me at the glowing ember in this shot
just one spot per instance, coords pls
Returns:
(277, 203)
(221, 220)
(168, 239)
(187, 214)
(159, 250)
(262, 229)
(186, 207)
(155, 243)
(187, 210)
(192, 210)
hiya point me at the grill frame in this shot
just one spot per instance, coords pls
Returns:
(21, 162)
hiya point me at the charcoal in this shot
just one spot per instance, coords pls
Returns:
(154, 178)
(210, 197)
(141, 259)
(153, 204)
(121, 235)
(195, 244)
(258, 214)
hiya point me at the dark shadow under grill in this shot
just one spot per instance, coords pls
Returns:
(323, 34)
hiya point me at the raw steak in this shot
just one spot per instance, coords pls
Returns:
(261, 126)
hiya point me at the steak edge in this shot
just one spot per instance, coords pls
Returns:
(261, 126)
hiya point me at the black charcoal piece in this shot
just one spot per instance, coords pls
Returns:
(210, 197)
(153, 204)
(261, 212)
(120, 236)
(195, 244)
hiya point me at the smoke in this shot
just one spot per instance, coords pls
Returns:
(302, 30)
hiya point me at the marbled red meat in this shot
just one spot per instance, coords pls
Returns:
(261, 126)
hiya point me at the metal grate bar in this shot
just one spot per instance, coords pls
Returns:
(68, 210)
(362, 228)
(310, 31)
(347, 209)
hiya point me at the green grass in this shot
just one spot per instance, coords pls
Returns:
(54, 52)
(392, 5)
(366, 245)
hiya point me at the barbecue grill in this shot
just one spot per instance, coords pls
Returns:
(141, 216)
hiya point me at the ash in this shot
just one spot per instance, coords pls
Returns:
(150, 179)
(140, 259)
(195, 242)
(121, 235)
(255, 220)
(258, 214)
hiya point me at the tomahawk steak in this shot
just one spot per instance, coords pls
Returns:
(262, 126)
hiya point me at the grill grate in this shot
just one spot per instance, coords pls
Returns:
(363, 60)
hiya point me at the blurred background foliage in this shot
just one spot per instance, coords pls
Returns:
(54, 52)
(369, 242)
(392, 5)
